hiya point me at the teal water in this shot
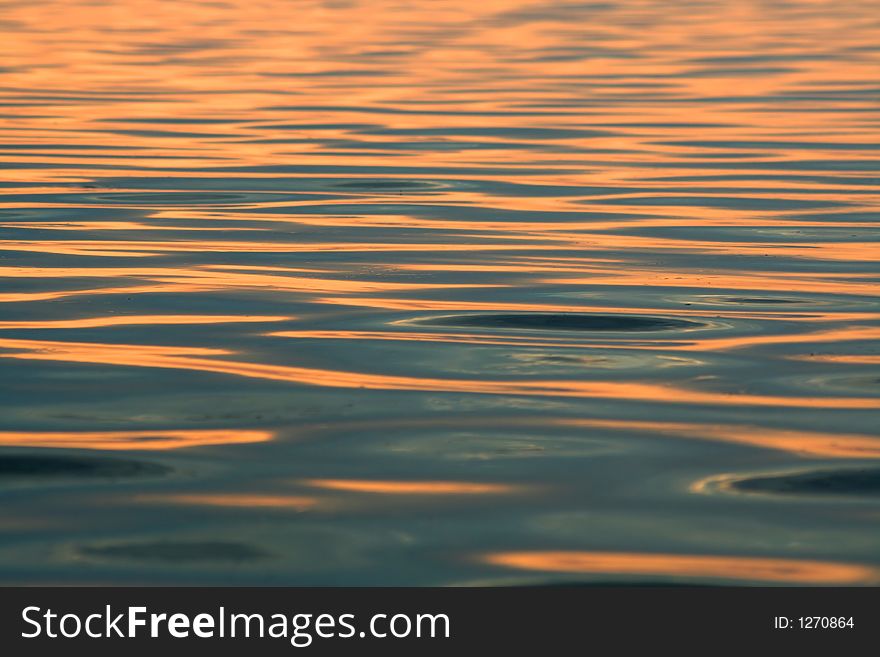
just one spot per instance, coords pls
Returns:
(440, 293)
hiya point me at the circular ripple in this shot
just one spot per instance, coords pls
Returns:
(749, 300)
(859, 482)
(563, 322)
(27, 466)
(753, 301)
(848, 482)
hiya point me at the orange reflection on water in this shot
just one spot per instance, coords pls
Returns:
(840, 334)
(726, 482)
(104, 225)
(145, 248)
(814, 250)
(855, 359)
(396, 303)
(160, 439)
(414, 336)
(139, 320)
(235, 500)
(177, 358)
(203, 279)
(795, 441)
(411, 487)
(572, 232)
(753, 281)
(791, 571)
(695, 344)
(367, 161)
(24, 297)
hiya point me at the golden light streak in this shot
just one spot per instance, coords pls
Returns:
(176, 358)
(410, 487)
(791, 571)
(235, 500)
(139, 320)
(157, 440)
(813, 444)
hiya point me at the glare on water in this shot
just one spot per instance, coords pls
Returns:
(439, 293)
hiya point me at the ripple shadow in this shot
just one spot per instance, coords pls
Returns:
(563, 322)
(26, 466)
(176, 552)
(862, 482)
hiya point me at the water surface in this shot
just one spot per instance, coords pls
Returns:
(439, 293)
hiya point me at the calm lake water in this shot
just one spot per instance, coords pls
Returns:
(439, 293)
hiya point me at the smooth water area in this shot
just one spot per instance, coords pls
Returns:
(349, 292)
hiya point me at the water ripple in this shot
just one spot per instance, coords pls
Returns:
(473, 292)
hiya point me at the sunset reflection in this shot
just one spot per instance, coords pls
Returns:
(788, 571)
(137, 320)
(235, 500)
(803, 443)
(554, 268)
(410, 487)
(192, 359)
(133, 440)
